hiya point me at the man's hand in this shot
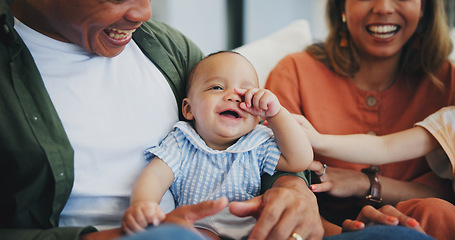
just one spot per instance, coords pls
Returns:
(288, 207)
(187, 215)
(184, 215)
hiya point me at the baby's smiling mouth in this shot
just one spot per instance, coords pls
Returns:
(383, 31)
(118, 34)
(230, 114)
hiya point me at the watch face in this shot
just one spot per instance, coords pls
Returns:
(372, 169)
(375, 168)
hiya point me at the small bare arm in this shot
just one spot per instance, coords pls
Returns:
(369, 149)
(291, 139)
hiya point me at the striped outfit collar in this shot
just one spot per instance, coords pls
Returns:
(250, 141)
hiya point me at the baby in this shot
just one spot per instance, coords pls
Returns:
(221, 151)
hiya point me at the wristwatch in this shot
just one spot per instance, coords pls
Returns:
(374, 197)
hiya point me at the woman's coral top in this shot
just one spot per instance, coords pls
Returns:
(334, 105)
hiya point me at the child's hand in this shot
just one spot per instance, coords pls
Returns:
(140, 214)
(259, 102)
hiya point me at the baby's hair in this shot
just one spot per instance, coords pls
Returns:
(191, 75)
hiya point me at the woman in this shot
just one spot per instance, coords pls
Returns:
(383, 67)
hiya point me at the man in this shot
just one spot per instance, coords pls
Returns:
(82, 97)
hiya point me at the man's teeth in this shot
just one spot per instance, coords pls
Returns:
(120, 34)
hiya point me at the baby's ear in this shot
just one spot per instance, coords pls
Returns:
(186, 109)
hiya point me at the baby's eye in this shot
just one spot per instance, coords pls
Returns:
(216, 88)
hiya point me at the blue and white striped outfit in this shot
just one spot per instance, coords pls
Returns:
(201, 173)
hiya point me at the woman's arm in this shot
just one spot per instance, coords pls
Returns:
(342, 183)
(394, 191)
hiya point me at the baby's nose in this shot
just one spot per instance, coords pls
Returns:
(233, 97)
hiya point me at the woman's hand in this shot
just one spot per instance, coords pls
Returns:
(343, 183)
(340, 182)
(386, 215)
(288, 207)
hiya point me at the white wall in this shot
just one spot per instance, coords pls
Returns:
(204, 21)
(263, 17)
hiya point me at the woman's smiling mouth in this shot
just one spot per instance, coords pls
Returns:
(383, 31)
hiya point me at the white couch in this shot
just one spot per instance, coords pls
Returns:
(452, 35)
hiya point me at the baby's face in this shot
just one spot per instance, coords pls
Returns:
(213, 104)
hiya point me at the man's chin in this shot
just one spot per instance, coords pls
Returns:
(110, 52)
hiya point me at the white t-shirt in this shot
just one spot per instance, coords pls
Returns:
(112, 109)
(441, 125)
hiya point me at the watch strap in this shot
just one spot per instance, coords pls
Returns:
(374, 196)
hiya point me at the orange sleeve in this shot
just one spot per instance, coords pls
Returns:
(284, 82)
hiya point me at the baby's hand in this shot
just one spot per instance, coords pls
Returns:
(140, 214)
(259, 102)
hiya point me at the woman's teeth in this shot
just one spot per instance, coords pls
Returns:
(383, 31)
(382, 35)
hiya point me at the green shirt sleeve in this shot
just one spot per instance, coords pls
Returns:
(267, 181)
